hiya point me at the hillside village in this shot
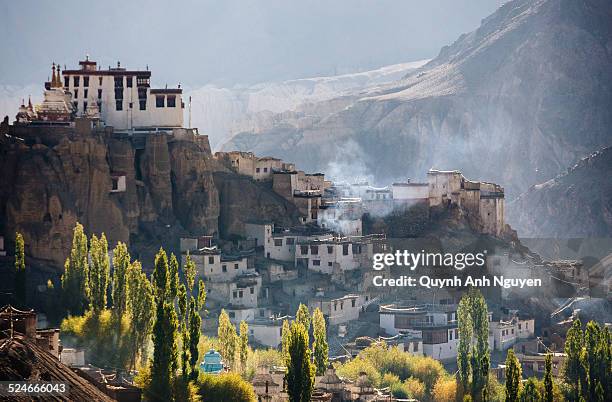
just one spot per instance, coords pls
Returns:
(296, 237)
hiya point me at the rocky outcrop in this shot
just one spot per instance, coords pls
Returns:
(513, 102)
(243, 200)
(46, 189)
(576, 204)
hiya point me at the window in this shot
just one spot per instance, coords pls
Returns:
(329, 264)
(159, 101)
(129, 82)
(316, 262)
(416, 346)
(171, 101)
(256, 170)
(85, 93)
(303, 249)
(241, 294)
(265, 170)
(252, 289)
(224, 268)
(119, 104)
(345, 248)
(100, 81)
(353, 303)
(99, 94)
(99, 106)
(235, 266)
(86, 81)
(278, 242)
(232, 314)
(115, 183)
(76, 80)
(211, 260)
(290, 241)
(66, 80)
(314, 250)
(143, 104)
(85, 105)
(118, 82)
(450, 335)
(330, 249)
(118, 93)
(234, 294)
(520, 327)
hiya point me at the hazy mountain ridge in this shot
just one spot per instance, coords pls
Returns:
(577, 203)
(515, 101)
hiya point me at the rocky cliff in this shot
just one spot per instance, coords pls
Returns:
(46, 189)
(515, 102)
(577, 203)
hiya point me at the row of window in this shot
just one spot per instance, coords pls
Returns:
(507, 332)
(318, 263)
(86, 94)
(240, 293)
(314, 250)
(129, 81)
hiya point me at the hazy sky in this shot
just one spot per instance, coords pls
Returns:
(228, 41)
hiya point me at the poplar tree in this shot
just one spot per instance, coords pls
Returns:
(473, 356)
(285, 331)
(173, 276)
(513, 377)
(98, 273)
(140, 305)
(300, 371)
(227, 338)
(190, 272)
(303, 317)
(165, 354)
(548, 380)
(121, 264)
(20, 272)
(195, 323)
(244, 345)
(184, 325)
(530, 392)
(575, 370)
(320, 347)
(75, 279)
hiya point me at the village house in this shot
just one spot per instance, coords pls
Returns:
(342, 216)
(435, 324)
(507, 331)
(327, 254)
(484, 202)
(14, 321)
(338, 307)
(267, 331)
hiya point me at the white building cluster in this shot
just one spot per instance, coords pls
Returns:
(115, 97)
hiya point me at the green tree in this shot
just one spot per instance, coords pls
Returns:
(121, 264)
(227, 338)
(473, 356)
(513, 377)
(165, 353)
(75, 279)
(285, 340)
(98, 273)
(140, 305)
(173, 276)
(303, 317)
(300, 371)
(530, 392)
(190, 272)
(548, 380)
(195, 331)
(20, 272)
(319, 346)
(575, 370)
(243, 351)
(228, 387)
